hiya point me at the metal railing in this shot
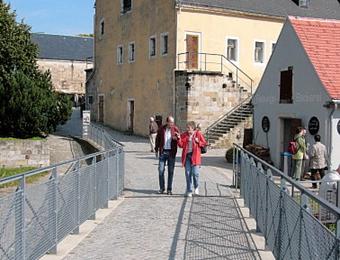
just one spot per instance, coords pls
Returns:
(292, 229)
(34, 218)
(215, 63)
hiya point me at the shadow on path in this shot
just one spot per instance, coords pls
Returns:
(216, 230)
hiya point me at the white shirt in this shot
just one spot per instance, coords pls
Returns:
(190, 143)
(167, 139)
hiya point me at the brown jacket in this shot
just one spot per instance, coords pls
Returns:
(160, 140)
(153, 128)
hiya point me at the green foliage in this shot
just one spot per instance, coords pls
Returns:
(8, 172)
(28, 105)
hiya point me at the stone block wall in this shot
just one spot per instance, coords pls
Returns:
(67, 76)
(204, 97)
(23, 153)
(236, 135)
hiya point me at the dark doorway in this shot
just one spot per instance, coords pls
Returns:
(289, 131)
(131, 115)
(101, 109)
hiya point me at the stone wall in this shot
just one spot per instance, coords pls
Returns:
(67, 76)
(23, 153)
(204, 97)
(236, 135)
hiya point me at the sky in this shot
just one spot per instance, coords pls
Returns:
(62, 17)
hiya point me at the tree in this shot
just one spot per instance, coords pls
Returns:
(28, 105)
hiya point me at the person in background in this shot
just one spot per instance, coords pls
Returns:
(153, 128)
(318, 160)
(299, 156)
(166, 147)
(191, 141)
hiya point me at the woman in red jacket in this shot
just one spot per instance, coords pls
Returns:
(191, 141)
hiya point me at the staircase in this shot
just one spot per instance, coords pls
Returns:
(233, 120)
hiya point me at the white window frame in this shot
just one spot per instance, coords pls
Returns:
(118, 55)
(122, 12)
(101, 22)
(162, 43)
(237, 48)
(264, 52)
(130, 52)
(152, 37)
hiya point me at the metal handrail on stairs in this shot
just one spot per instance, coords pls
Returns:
(202, 61)
(242, 103)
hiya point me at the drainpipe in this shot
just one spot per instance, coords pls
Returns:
(336, 104)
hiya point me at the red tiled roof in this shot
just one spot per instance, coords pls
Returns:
(321, 40)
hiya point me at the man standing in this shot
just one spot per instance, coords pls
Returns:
(301, 152)
(318, 160)
(166, 146)
(153, 128)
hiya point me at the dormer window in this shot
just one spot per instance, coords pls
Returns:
(302, 3)
(126, 6)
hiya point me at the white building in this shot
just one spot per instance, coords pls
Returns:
(301, 86)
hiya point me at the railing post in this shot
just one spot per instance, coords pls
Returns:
(94, 188)
(54, 210)
(221, 64)
(234, 172)
(20, 225)
(117, 173)
(279, 232)
(237, 81)
(237, 170)
(107, 157)
(205, 62)
(77, 217)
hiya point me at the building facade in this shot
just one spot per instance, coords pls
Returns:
(140, 45)
(67, 58)
(301, 86)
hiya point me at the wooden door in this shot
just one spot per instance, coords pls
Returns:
(192, 51)
(131, 115)
(101, 109)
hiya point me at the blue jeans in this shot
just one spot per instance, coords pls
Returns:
(191, 173)
(163, 158)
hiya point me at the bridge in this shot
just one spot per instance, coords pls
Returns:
(122, 180)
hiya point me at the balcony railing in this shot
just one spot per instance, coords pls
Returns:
(215, 63)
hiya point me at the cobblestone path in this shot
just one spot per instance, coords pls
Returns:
(151, 226)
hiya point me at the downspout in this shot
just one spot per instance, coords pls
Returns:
(336, 104)
(174, 103)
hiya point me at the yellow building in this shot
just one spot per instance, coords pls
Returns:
(141, 45)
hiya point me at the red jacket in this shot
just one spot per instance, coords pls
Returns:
(196, 147)
(160, 140)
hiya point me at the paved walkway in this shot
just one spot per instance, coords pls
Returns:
(151, 226)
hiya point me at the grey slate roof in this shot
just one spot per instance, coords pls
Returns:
(59, 47)
(318, 8)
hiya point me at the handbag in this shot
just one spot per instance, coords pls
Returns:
(204, 149)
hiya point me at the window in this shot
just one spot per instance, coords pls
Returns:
(90, 100)
(102, 27)
(164, 43)
(152, 46)
(259, 52)
(273, 46)
(131, 52)
(232, 49)
(120, 54)
(126, 6)
(286, 86)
